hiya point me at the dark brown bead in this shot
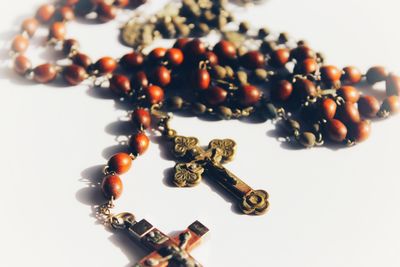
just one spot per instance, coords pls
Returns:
(225, 50)
(139, 143)
(181, 42)
(141, 118)
(20, 44)
(69, 46)
(112, 186)
(336, 130)
(82, 60)
(304, 88)
(282, 90)
(161, 76)
(74, 74)
(376, 74)
(84, 7)
(45, 13)
(154, 94)
(106, 65)
(351, 75)
(211, 58)
(368, 106)
(106, 12)
(65, 13)
(360, 131)
(58, 30)
(307, 66)
(120, 84)
(22, 64)
(195, 48)
(119, 163)
(330, 75)
(44, 73)
(252, 60)
(391, 104)
(215, 95)
(280, 57)
(30, 26)
(348, 113)
(157, 54)
(392, 85)
(174, 56)
(249, 95)
(132, 60)
(349, 93)
(201, 79)
(301, 53)
(328, 108)
(139, 80)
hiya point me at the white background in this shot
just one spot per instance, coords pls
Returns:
(329, 207)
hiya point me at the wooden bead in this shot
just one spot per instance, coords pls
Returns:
(282, 90)
(249, 95)
(376, 74)
(359, 132)
(112, 186)
(141, 118)
(348, 113)
(106, 65)
(193, 50)
(120, 163)
(58, 31)
(211, 58)
(336, 130)
(120, 84)
(154, 94)
(161, 76)
(225, 50)
(328, 108)
(174, 56)
(132, 60)
(157, 54)
(139, 143)
(302, 52)
(82, 60)
(368, 106)
(392, 85)
(30, 26)
(65, 13)
(44, 73)
(280, 57)
(215, 95)
(351, 75)
(139, 80)
(20, 44)
(181, 42)
(252, 60)
(304, 88)
(201, 79)
(74, 74)
(106, 12)
(22, 64)
(45, 13)
(69, 46)
(330, 75)
(391, 104)
(349, 93)
(307, 66)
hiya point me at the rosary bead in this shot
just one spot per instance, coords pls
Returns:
(280, 57)
(282, 90)
(336, 130)
(69, 46)
(304, 88)
(121, 3)
(120, 84)
(249, 95)
(174, 56)
(349, 93)
(65, 13)
(392, 85)
(301, 53)
(139, 80)
(391, 104)
(225, 50)
(120, 163)
(106, 65)
(216, 95)
(112, 186)
(351, 75)
(376, 74)
(84, 7)
(141, 118)
(44, 73)
(211, 58)
(175, 102)
(348, 113)
(157, 54)
(106, 12)
(139, 143)
(45, 13)
(368, 106)
(307, 139)
(22, 64)
(58, 31)
(154, 94)
(252, 60)
(181, 42)
(330, 75)
(30, 26)
(161, 76)
(82, 60)
(194, 49)
(307, 66)
(328, 108)
(74, 74)
(132, 60)
(360, 131)
(20, 44)
(201, 79)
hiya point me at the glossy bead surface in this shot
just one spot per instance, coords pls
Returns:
(139, 143)
(157, 54)
(132, 60)
(74, 74)
(336, 130)
(225, 50)
(304, 88)
(82, 60)
(351, 75)
(154, 94)
(301, 53)
(106, 12)
(161, 76)
(328, 108)
(44, 73)
(307, 66)
(112, 186)
(391, 104)
(349, 93)
(194, 49)
(141, 118)
(211, 58)
(65, 13)
(106, 65)
(280, 57)
(22, 64)
(139, 80)
(120, 84)
(181, 42)
(120, 163)
(30, 26)
(249, 95)
(368, 106)
(201, 79)
(174, 56)
(215, 95)
(45, 13)
(348, 113)
(330, 74)
(252, 60)
(376, 74)
(20, 44)
(282, 90)
(392, 85)
(58, 31)
(359, 132)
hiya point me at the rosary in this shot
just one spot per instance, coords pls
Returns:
(249, 73)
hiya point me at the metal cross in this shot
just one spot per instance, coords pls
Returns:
(189, 173)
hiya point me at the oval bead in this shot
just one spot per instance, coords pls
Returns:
(106, 65)
(351, 75)
(349, 93)
(106, 12)
(328, 108)
(359, 132)
(45, 13)
(201, 79)
(249, 95)
(391, 104)
(225, 50)
(392, 85)
(112, 186)
(304, 88)
(20, 44)
(120, 163)
(58, 31)
(82, 60)
(44, 73)
(174, 56)
(302, 52)
(139, 80)
(69, 46)
(30, 26)
(154, 94)
(215, 95)
(280, 57)
(210, 58)
(307, 66)
(141, 118)
(74, 74)
(22, 64)
(161, 76)
(336, 130)
(330, 74)
(376, 74)
(132, 60)
(65, 13)
(349, 114)
(139, 143)
(157, 54)
(368, 106)
(193, 50)
(252, 60)
(120, 84)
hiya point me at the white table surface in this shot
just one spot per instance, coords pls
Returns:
(329, 207)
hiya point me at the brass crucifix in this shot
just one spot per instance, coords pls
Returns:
(189, 173)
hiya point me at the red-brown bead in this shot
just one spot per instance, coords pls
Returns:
(30, 26)
(280, 57)
(282, 90)
(351, 75)
(141, 118)
(216, 95)
(106, 12)
(307, 66)
(106, 65)
(157, 54)
(20, 44)
(392, 85)
(74, 74)
(181, 42)
(154, 94)
(349, 93)
(139, 80)
(120, 84)
(45, 13)
(58, 30)
(44, 73)
(348, 113)
(304, 88)
(82, 60)
(119, 163)
(65, 13)
(391, 104)
(328, 108)
(174, 56)
(112, 186)
(252, 60)
(301, 53)
(336, 130)
(376, 74)
(360, 131)
(201, 79)
(330, 75)
(249, 95)
(132, 60)
(225, 50)
(211, 58)
(194, 49)
(368, 106)
(139, 143)
(22, 64)
(161, 76)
